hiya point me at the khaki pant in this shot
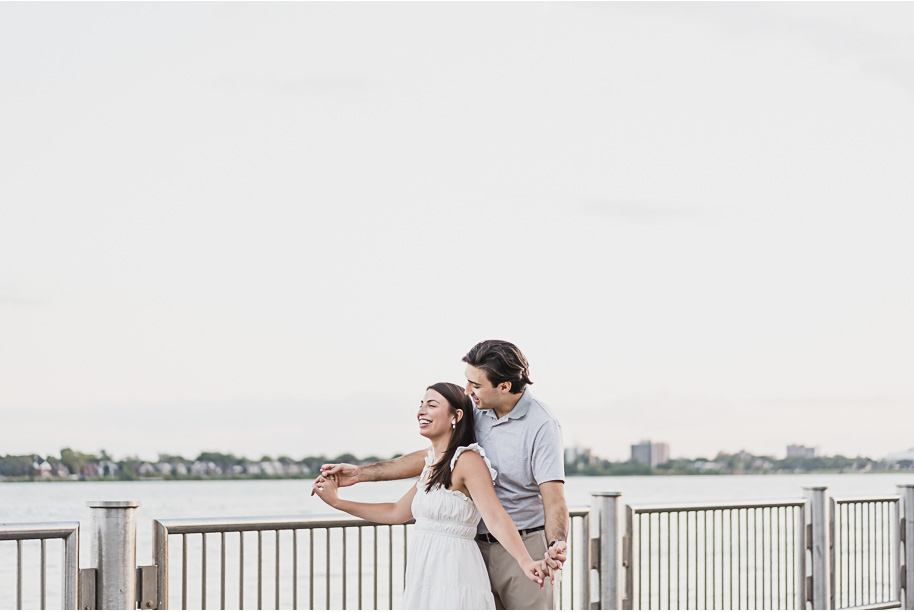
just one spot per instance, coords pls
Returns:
(510, 586)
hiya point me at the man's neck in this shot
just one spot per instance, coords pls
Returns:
(509, 405)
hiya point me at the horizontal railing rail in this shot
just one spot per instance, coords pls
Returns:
(865, 547)
(716, 556)
(68, 533)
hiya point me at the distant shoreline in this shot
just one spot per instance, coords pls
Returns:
(35, 479)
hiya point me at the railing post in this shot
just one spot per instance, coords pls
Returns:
(605, 521)
(906, 563)
(70, 585)
(112, 536)
(817, 500)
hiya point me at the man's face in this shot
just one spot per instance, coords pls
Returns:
(481, 391)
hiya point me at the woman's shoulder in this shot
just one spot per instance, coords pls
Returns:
(475, 461)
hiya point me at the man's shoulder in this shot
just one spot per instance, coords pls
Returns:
(540, 413)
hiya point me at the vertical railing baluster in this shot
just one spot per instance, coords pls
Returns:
(730, 518)
(669, 561)
(222, 572)
(295, 569)
(755, 555)
(687, 564)
(327, 566)
(375, 542)
(713, 555)
(650, 561)
(872, 555)
(311, 568)
(777, 548)
(848, 583)
(360, 567)
(18, 574)
(241, 570)
(203, 575)
(343, 530)
(44, 576)
(184, 571)
(259, 569)
(278, 574)
(705, 555)
(390, 573)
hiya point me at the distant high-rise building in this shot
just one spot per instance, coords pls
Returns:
(651, 453)
(798, 450)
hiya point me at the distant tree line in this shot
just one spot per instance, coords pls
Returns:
(737, 463)
(75, 465)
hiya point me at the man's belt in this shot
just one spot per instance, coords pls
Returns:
(488, 537)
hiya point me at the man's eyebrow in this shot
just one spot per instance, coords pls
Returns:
(472, 382)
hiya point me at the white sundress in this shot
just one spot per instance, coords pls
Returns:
(444, 568)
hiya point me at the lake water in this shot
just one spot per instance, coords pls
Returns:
(66, 501)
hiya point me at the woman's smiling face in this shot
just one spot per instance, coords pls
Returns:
(434, 415)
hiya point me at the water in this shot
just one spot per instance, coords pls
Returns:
(66, 501)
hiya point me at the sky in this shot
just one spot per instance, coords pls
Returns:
(264, 229)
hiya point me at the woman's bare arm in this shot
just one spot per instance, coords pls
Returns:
(472, 473)
(389, 513)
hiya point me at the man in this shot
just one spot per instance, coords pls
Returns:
(523, 440)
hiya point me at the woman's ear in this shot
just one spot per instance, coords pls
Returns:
(459, 414)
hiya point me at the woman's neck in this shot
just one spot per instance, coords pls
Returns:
(439, 446)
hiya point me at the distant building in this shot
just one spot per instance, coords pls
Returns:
(798, 450)
(650, 453)
(575, 455)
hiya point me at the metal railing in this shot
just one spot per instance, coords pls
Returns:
(865, 546)
(68, 533)
(717, 556)
(324, 562)
(819, 552)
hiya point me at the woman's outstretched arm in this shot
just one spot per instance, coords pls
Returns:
(389, 513)
(472, 473)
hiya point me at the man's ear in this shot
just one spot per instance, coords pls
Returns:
(505, 386)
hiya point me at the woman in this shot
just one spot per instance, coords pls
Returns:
(445, 569)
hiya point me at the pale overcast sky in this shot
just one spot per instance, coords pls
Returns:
(265, 228)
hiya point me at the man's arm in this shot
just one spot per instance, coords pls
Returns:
(557, 520)
(407, 466)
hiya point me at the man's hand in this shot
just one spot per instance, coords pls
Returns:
(346, 474)
(556, 557)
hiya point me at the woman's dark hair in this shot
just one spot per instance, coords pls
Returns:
(463, 434)
(502, 362)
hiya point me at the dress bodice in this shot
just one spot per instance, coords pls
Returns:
(444, 511)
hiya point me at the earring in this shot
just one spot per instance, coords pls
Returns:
(454, 424)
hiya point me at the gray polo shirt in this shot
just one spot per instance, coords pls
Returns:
(525, 448)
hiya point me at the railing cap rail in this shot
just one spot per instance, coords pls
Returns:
(260, 523)
(865, 498)
(113, 504)
(37, 531)
(646, 508)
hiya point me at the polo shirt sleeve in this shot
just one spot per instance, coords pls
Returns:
(548, 460)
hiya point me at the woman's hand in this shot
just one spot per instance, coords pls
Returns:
(535, 570)
(327, 489)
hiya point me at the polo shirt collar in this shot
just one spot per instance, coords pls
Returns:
(523, 405)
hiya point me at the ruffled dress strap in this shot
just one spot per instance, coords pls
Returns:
(482, 453)
(429, 460)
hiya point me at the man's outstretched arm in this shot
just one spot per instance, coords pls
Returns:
(407, 466)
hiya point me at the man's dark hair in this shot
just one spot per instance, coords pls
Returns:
(502, 362)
